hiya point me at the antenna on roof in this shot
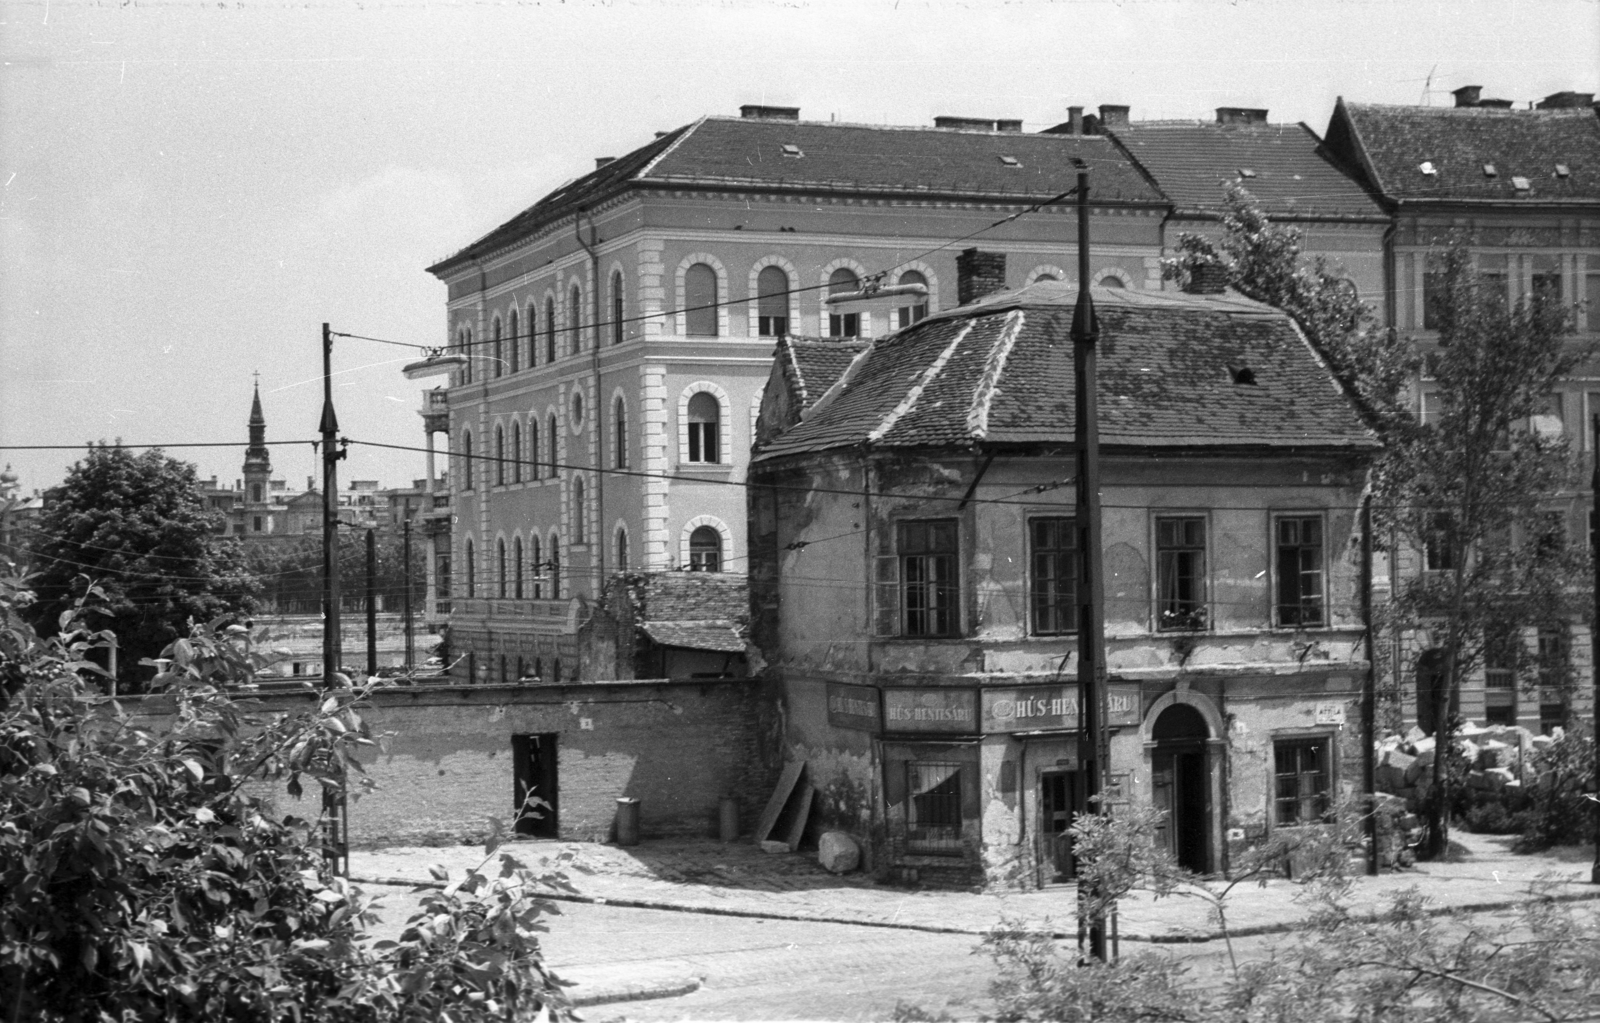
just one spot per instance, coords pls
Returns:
(1427, 88)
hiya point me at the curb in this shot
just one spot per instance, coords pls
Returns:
(635, 993)
(1174, 938)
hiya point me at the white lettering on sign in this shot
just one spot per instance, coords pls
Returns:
(851, 705)
(1330, 713)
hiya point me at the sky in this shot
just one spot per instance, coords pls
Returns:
(189, 190)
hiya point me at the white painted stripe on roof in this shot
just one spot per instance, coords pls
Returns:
(799, 377)
(910, 400)
(989, 380)
(840, 384)
(644, 172)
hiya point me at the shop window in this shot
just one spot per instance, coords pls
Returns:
(705, 427)
(1302, 781)
(772, 302)
(1053, 544)
(927, 553)
(705, 550)
(840, 324)
(1180, 573)
(1299, 568)
(933, 811)
(916, 306)
(700, 301)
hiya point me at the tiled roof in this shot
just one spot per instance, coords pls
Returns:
(811, 367)
(1000, 371)
(696, 597)
(736, 152)
(1282, 165)
(1394, 141)
(723, 638)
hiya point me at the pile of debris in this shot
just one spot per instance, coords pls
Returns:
(1499, 757)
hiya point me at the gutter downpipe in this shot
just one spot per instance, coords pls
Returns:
(598, 564)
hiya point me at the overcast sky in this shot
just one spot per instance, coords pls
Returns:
(190, 190)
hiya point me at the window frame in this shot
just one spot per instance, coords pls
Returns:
(700, 318)
(575, 319)
(941, 836)
(768, 324)
(702, 445)
(705, 559)
(1066, 547)
(1174, 619)
(1318, 598)
(929, 580)
(1322, 741)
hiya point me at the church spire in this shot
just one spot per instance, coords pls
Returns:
(257, 460)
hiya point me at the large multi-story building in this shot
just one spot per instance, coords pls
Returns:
(1521, 188)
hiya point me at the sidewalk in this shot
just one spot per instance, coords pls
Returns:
(740, 880)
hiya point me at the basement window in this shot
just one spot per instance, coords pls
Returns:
(790, 149)
(1489, 171)
(1428, 169)
(1010, 161)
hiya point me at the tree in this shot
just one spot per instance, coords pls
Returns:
(143, 877)
(1467, 488)
(289, 571)
(136, 526)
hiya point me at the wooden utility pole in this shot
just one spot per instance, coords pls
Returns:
(1093, 753)
(405, 554)
(372, 602)
(1594, 637)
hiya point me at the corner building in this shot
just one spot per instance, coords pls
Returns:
(619, 333)
(915, 567)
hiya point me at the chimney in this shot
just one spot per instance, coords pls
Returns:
(1467, 95)
(1075, 118)
(966, 123)
(1241, 115)
(1207, 279)
(601, 161)
(758, 111)
(311, 483)
(1565, 101)
(978, 274)
(1113, 115)
(1008, 125)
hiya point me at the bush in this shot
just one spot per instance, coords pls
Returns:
(1560, 814)
(140, 880)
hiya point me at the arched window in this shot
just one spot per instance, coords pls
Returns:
(500, 568)
(555, 567)
(516, 343)
(470, 352)
(537, 564)
(916, 306)
(472, 570)
(494, 347)
(516, 560)
(575, 319)
(1112, 281)
(772, 302)
(499, 456)
(705, 550)
(580, 525)
(466, 458)
(616, 307)
(553, 463)
(533, 336)
(842, 324)
(622, 549)
(619, 434)
(705, 427)
(550, 330)
(577, 410)
(1046, 277)
(700, 301)
(516, 451)
(534, 453)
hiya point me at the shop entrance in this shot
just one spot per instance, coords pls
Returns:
(1059, 799)
(533, 759)
(1181, 785)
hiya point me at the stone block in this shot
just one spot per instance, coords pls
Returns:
(773, 848)
(838, 852)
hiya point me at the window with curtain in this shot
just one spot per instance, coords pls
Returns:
(705, 550)
(772, 302)
(1180, 573)
(916, 306)
(933, 810)
(841, 324)
(616, 308)
(700, 301)
(705, 427)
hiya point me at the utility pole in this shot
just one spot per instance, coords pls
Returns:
(405, 555)
(372, 602)
(1369, 692)
(1093, 751)
(335, 807)
(1594, 637)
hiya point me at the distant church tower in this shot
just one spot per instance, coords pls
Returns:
(257, 473)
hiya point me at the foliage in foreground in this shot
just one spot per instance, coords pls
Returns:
(143, 877)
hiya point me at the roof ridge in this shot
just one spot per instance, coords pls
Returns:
(989, 379)
(910, 400)
(895, 127)
(800, 378)
(683, 133)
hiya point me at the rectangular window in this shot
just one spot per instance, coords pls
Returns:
(928, 577)
(1591, 295)
(1439, 554)
(1496, 280)
(844, 324)
(1501, 645)
(1181, 573)
(1053, 549)
(1547, 278)
(1301, 781)
(1550, 420)
(1299, 567)
(933, 811)
(1432, 299)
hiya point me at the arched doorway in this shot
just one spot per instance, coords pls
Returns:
(1181, 784)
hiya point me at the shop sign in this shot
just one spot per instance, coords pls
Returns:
(930, 710)
(853, 707)
(1046, 708)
